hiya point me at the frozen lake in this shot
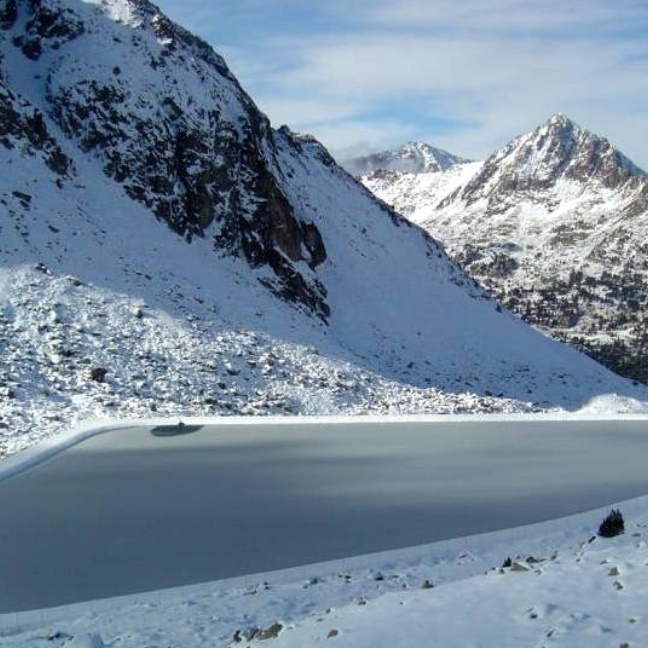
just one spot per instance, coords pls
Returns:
(140, 509)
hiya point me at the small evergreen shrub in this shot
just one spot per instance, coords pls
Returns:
(613, 525)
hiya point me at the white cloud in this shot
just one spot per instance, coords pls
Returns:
(300, 113)
(363, 135)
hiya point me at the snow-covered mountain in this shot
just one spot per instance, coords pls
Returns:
(554, 224)
(413, 157)
(163, 249)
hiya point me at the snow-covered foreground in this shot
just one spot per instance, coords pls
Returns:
(565, 587)
(583, 594)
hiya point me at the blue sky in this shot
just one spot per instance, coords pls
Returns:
(465, 75)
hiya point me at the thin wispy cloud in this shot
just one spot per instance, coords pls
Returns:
(466, 76)
(519, 17)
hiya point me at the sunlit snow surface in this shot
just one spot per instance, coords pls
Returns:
(180, 330)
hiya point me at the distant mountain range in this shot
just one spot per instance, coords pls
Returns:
(413, 157)
(555, 225)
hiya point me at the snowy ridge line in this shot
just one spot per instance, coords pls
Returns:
(512, 541)
(32, 457)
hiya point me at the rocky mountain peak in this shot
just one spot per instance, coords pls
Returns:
(558, 150)
(412, 157)
(566, 148)
(560, 120)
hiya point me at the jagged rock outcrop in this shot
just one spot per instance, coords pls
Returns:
(554, 224)
(8, 13)
(49, 26)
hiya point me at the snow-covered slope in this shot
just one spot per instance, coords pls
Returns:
(413, 157)
(163, 249)
(554, 224)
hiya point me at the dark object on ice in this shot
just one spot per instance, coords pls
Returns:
(98, 374)
(57, 636)
(507, 563)
(613, 525)
(178, 429)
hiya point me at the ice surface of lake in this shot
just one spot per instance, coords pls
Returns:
(133, 510)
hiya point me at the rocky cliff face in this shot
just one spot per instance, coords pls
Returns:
(165, 118)
(554, 224)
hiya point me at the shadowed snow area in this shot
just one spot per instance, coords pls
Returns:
(132, 511)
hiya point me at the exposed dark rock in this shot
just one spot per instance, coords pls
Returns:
(31, 47)
(24, 124)
(8, 13)
(23, 197)
(98, 374)
(269, 633)
(314, 244)
(49, 26)
(259, 634)
(613, 525)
